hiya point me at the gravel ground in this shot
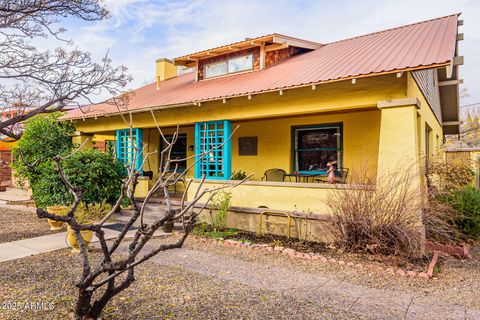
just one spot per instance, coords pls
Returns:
(160, 292)
(18, 225)
(220, 287)
(458, 281)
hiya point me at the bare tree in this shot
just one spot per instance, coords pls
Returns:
(35, 81)
(115, 272)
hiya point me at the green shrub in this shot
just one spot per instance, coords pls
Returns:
(91, 212)
(44, 137)
(220, 203)
(466, 202)
(98, 174)
(47, 187)
(239, 175)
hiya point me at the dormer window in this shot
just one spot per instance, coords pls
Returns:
(231, 65)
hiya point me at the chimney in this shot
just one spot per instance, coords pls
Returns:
(165, 70)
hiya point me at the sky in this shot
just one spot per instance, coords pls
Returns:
(140, 31)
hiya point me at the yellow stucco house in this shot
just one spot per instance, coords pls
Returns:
(378, 99)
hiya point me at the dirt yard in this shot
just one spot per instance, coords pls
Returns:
(206, 280)
(21, 224)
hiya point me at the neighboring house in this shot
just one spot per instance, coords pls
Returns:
(374, 100)
(6, 145)
(468, 156)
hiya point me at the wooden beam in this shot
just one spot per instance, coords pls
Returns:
(262, 56)
(196, 71)
(452, 123)
(458, 61)
(294, 42)
(403, 102)
(354, 81)
(450, 82)
(314, 87)
(276, 46)
(459, 36)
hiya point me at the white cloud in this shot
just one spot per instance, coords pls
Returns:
(140, 31)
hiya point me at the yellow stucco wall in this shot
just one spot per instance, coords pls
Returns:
(333, 97)
(290, 196)
(270, 117)
(360, 141)
(379, 138)
(426, 117)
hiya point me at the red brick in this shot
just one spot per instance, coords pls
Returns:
(412, 274)
(401, 272)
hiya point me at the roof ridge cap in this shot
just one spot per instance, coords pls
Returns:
(393, 28)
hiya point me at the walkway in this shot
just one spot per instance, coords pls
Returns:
(362, 301)
(29, 247)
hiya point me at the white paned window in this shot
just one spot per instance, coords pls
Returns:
(232, 65)
(215, 69)
(240, 64)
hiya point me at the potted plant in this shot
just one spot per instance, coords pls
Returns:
(82, 216)
(58, 210)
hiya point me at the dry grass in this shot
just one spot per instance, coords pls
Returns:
(378, 217)
(435, 219)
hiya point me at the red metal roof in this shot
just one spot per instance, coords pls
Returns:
(424, 44)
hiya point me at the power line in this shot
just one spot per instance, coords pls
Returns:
(470, 105)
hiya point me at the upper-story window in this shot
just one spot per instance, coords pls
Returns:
(230, 65)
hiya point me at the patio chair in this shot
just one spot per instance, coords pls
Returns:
(182, 180)
(341, 175)
(148, 174)
(274, 175)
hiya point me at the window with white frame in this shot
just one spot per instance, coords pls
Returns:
(230, 65)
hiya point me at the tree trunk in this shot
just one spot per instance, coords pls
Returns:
(83, 303)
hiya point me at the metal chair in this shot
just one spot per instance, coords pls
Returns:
(341, 175)
(274, 175)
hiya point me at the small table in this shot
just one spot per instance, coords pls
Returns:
(300, 177)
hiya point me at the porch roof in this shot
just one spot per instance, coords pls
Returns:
(426, 44)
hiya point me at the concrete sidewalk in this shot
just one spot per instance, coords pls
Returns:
(29, 247)
(14, 194)
(32, 246)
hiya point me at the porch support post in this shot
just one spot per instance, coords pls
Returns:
(398, 143)
(398, 146)
(82, 137)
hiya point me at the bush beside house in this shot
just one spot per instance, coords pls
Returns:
(465, 201)
(98, 174)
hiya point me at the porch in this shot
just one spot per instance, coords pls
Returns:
(300, 146)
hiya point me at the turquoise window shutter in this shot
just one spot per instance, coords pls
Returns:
(126, 149)
(211, 142)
